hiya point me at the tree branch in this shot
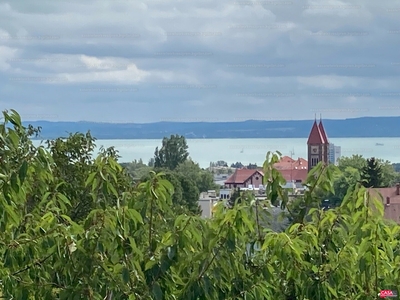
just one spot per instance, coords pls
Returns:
(39, 262)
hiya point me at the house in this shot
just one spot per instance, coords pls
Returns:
(206, 202)
(293, 170)
(244, 178)
(391, 201)
(288, 163)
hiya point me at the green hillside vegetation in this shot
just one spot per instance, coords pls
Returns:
(74, 225)
(370, 172)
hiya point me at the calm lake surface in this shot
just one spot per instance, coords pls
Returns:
(246, 151)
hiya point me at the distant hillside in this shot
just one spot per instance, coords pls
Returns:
(357, 127)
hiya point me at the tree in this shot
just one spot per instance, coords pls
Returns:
(203, 179)
(252, 166)
(172, 153)
(190, 194)
(137, 247)
(348, 178)
(389, 175)
(237, 165)
(235, 197)
(137, 169)
(372, 174)
(220, 163)
(355, 161)
(151, 162)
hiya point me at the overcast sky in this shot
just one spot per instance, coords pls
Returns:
(199, 60)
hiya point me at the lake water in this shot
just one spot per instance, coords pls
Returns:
(246, 151)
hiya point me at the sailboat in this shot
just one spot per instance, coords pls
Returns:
(242, 150)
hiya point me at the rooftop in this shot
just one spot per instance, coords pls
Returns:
(316, 136)
(241, 175)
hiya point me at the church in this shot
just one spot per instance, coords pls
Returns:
(318, 145)
(294, 171)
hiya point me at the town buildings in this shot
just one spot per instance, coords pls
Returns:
(335, 152)
(295, 172)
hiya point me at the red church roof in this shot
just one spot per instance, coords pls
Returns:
(315, 136)
(322, 129)
(241, 175)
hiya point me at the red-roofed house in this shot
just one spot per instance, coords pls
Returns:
(295, 175)
(318, 145)
(391, 201)
(245, 177)
(293, 170)
(287, 163)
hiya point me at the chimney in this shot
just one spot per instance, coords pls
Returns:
(387, 201)
(398, 189)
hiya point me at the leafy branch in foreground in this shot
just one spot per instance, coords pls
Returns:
(131, 244)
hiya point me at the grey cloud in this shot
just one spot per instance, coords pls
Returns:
(152, 60)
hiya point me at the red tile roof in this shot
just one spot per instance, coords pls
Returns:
(241, 175)
(323, 133)
(287, 163)
(315, 136)
(296, 174)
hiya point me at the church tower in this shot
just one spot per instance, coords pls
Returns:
(318, 145)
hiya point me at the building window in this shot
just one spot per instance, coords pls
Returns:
(257, 178)
(234, 185)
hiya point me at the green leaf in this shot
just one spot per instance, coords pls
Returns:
(15, 118)
(22, 171)
(14, 138)
(157, 292)
(90, 179)
(12, 214)
(331, 290)
(135, 215)
(125, 275)
(149, 265)
(112, 189)
(14, 182)
(63, 199)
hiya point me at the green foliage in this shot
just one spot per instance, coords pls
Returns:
(237, 165)
(137, 169)
(203, 179)
(355, 169)
(388, 175)
(372, 174)
(355, 161)
(186, 195)
(172, 153)
(132, 245)
(235, 198)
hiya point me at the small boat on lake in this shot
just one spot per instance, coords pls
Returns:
(378, 144)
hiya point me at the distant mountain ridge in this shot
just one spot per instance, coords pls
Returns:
(357, 127)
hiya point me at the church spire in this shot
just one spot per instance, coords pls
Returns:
(322, 130)
(315, 136)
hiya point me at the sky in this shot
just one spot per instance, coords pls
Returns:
(133, 61)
